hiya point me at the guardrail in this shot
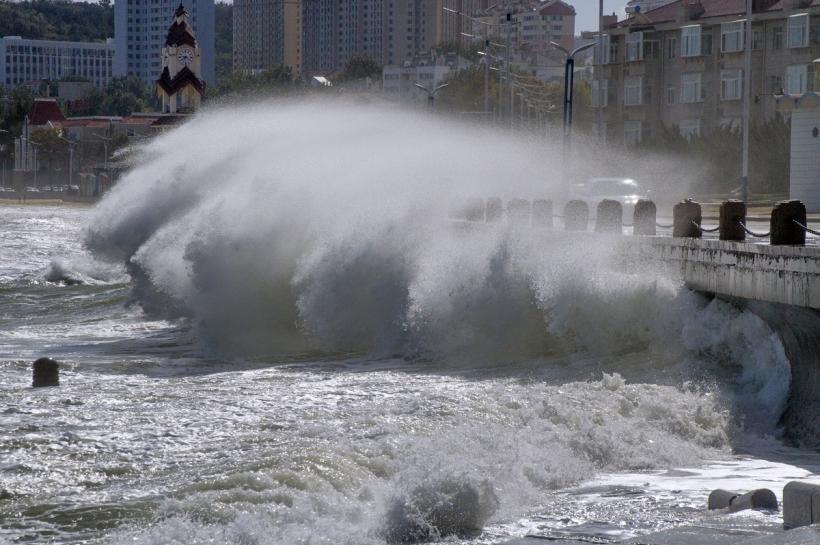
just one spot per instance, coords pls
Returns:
(788, 225)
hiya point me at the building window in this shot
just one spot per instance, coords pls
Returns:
(600, 93)
(689, 128)
(670, 95)
(671, 48)
(606, 50)
(634, 46)
(632, 133)
(757, 39)
(777, 38)
(632, 91)
(690, 46)
(796, 77)
(731, 84)
(798, 30)
(691, 89)
(731, 37)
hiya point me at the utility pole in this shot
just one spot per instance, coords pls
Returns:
(509, 60)
(599, 112)
(747, 102)
(486, 78)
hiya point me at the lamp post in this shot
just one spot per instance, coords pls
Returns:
(747, 103)
(431, 92)
(3, 165)
(105, 140)
(569, 81)
(70, 158)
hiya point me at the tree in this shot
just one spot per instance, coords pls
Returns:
(51, 149)
(275, 81)
(122, 96)
(360, 66)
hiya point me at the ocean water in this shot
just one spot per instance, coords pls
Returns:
(286, 339)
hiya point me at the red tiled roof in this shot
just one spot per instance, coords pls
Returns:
(711, 8)
(557, 8)
(44, 110)
(140, 120)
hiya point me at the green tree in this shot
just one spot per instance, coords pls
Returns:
(360, 66)
(276, 81)
(51, 149)
(122, 96)
(57, 20)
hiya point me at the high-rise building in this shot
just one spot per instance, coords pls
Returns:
(139, 35)
(267, 33)
(23, 61)
(335, 30)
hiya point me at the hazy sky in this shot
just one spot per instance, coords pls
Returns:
(588, 12)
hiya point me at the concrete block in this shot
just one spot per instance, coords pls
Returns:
(801, 504)
(735, 501)
(695, 535)
(807, 535)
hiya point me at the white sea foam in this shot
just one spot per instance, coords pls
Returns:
(335, 235)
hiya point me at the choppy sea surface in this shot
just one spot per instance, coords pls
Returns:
(308, 350)
(151, 440)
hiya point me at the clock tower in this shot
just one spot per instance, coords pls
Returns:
(180, 84)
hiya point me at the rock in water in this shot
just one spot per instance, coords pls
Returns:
(45, 372)
(441, 509)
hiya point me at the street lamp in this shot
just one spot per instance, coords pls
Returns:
(70, 158)
(569, 81)
(105, 140)
(431, 92)
(3, 165)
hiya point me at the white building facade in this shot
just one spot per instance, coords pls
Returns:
(140, 28)
(23, 61)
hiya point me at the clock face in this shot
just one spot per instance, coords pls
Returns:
(185, 56)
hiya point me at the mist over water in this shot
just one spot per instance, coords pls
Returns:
(449, 377)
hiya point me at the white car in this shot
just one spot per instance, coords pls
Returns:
(624, 190)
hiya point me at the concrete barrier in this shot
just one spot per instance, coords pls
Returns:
(783, 229)
(45, 372)
(732, 214)
(645, 218)
(762, 498)
(609, 217)
(684, 215)
(494, 210)
(474, 209)
(576, 216)
(518, 211)
(542, 213)
(801, 504)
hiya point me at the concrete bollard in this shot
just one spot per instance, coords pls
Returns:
(474, 210)
(732, 212)
(644, 218)
(801, 504)
(495, 210)
(609, 217)
(683, 214)
(542, 213)
(45, 372)
(783, 229)
(761, 498)
(576, 216)
(518, 211)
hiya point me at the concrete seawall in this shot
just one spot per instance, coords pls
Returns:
(781, 284)
(760, 272)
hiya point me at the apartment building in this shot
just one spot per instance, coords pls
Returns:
(681, 65)
(25, 61)
(140, 27)
(389, 31)
(399, 82)
(266, 34)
